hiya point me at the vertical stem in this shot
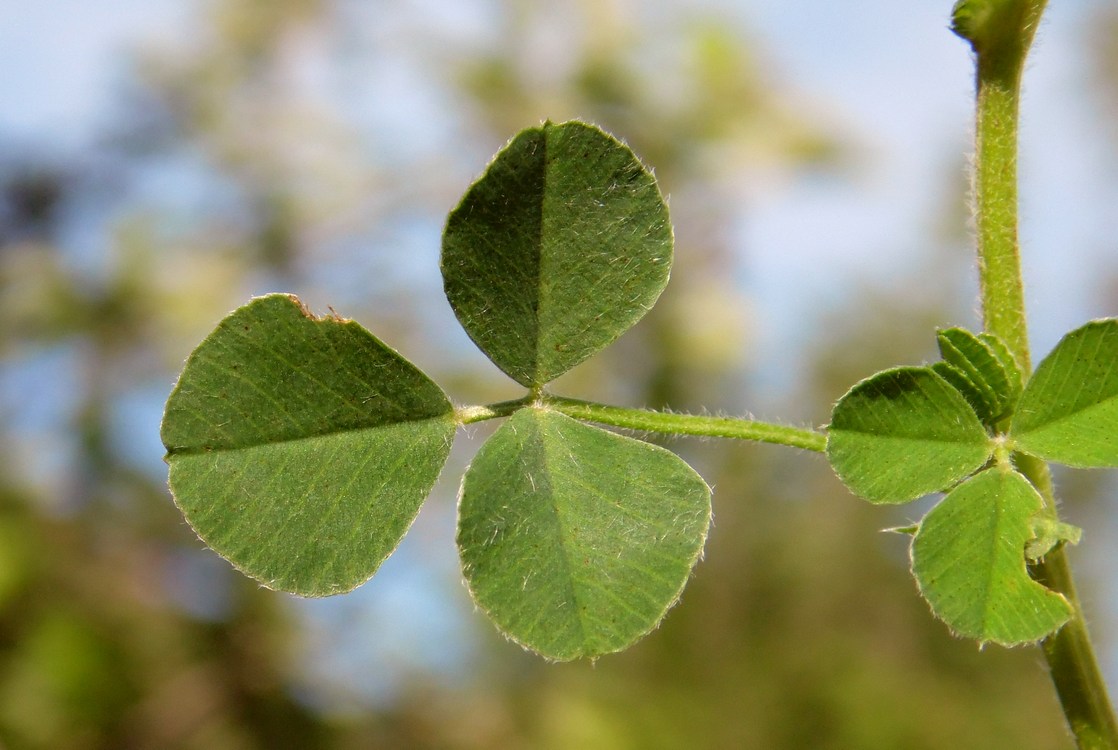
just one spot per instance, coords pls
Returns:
(1001, 31)
(995, 192)
(1073, 666)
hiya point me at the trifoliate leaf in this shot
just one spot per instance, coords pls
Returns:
(301, 448)
(561, 246)
(1068, 412)
(968, 557)
(576, 540)
(903, 433)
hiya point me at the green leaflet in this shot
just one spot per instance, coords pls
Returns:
(903, 433)
(559, 248)
(1010, 366)
(301, 448)
(1068, 412)
(977, 371)
(968, 557)
(576, 540)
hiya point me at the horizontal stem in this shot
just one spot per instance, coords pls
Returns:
(647, 420)
(689, 424)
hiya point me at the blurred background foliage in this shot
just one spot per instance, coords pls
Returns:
(260, 150)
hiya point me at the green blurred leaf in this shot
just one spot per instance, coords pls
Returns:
(903, 433)
(576, 540)
(985, 383)
(301, 448)
(1047, 533)
(561, 246)
(1068, 412)
(968, 558)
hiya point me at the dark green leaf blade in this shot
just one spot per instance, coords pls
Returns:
(575, 540)
(301, 448)
(903, 433)
(1068, 412)
(968, 557)
(560, 247)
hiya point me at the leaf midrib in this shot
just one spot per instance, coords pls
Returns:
(173, 452)
(984, 440)
(1046, 426)
(562, 531)
(541, 297)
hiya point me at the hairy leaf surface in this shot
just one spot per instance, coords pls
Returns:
(301, 448)
(968, 557)
(561, 246)
(576, 540)
(903, 433)
(1068, 412)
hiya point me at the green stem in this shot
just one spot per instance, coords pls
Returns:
(995, 192)
(690, 424)
(1073, 666)
(1001, 32)
(995, 205)
(655, 421)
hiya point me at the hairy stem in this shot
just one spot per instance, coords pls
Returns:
(690, 424)
(655, 421)
(1001, 31)
(995, 192)
(995, 205)
(1073, 666)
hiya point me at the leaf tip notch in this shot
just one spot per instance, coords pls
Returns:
(301, 448)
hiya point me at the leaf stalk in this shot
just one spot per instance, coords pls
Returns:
(646, 420)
